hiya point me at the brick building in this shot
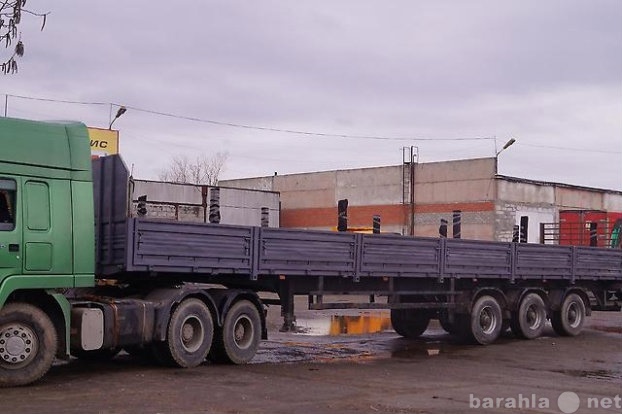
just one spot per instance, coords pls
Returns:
(413, 199)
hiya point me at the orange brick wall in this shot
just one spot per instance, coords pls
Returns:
(361, 216)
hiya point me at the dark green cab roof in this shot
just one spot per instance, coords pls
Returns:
(59, 149)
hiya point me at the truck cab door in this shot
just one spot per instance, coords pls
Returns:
(10, 229)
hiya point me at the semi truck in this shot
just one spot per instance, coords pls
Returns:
(85, 272)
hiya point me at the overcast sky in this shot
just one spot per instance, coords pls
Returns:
(409, 73)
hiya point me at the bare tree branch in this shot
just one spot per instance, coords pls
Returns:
(10, 17)
(203, 170)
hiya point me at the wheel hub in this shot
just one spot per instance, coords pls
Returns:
(243, 332)
(574, 317)
(17, 344)
(192, 333)
(533, 317)
(487, 320)
(239, 332)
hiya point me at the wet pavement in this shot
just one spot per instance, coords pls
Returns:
(369, 369)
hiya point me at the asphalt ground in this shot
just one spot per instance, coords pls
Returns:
(315, 372)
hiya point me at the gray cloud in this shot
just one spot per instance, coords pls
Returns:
(549, 73)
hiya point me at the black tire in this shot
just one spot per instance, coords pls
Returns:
(449, 327)
(570, 318)
(238, 339)
(189, 335)
(138, 351)
(410, 323)
(529, 321)
(96, 355)
(485, 322)
(141, 352)
(28, 343)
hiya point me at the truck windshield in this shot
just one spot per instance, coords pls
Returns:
(7, 204)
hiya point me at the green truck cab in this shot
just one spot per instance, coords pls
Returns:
(46, 240)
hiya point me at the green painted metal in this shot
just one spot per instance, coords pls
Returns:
(11, 262)
(65, 307)
(84, 231)
(25, 282)
(47, 168)
(48, 227)
(45, 149)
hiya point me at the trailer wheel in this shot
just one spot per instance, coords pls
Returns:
(189, 335)
(410, 323)
(238, 339)
(485, 322)
(529, 320)
(569, 320)
(28, 343)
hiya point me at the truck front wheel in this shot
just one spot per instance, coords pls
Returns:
(28, 343)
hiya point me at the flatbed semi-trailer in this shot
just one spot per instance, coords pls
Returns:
(183, 292)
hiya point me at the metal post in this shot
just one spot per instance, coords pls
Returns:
(214, 205)
(408, 173)
(457, 224)
(376, 224)
(265, 217)
(442, 229)
(204, 191)
(342, 215)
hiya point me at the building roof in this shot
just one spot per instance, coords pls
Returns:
(555, 184)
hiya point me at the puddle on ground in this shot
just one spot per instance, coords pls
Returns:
(601, 374)
(333, 325)
(271, 352)
(609, 329)
(418, 349)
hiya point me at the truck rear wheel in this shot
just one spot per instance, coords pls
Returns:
(485, 322)
(410, 323)
(28, 343)
(238, 340)
(569, 320)
(189, 335)
(529, 320)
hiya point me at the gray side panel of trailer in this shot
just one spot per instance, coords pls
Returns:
(480, 259)
(398, 256)
(298, 252)
(163, 246)
(181, 248)
(537, 261)
(598, 263)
